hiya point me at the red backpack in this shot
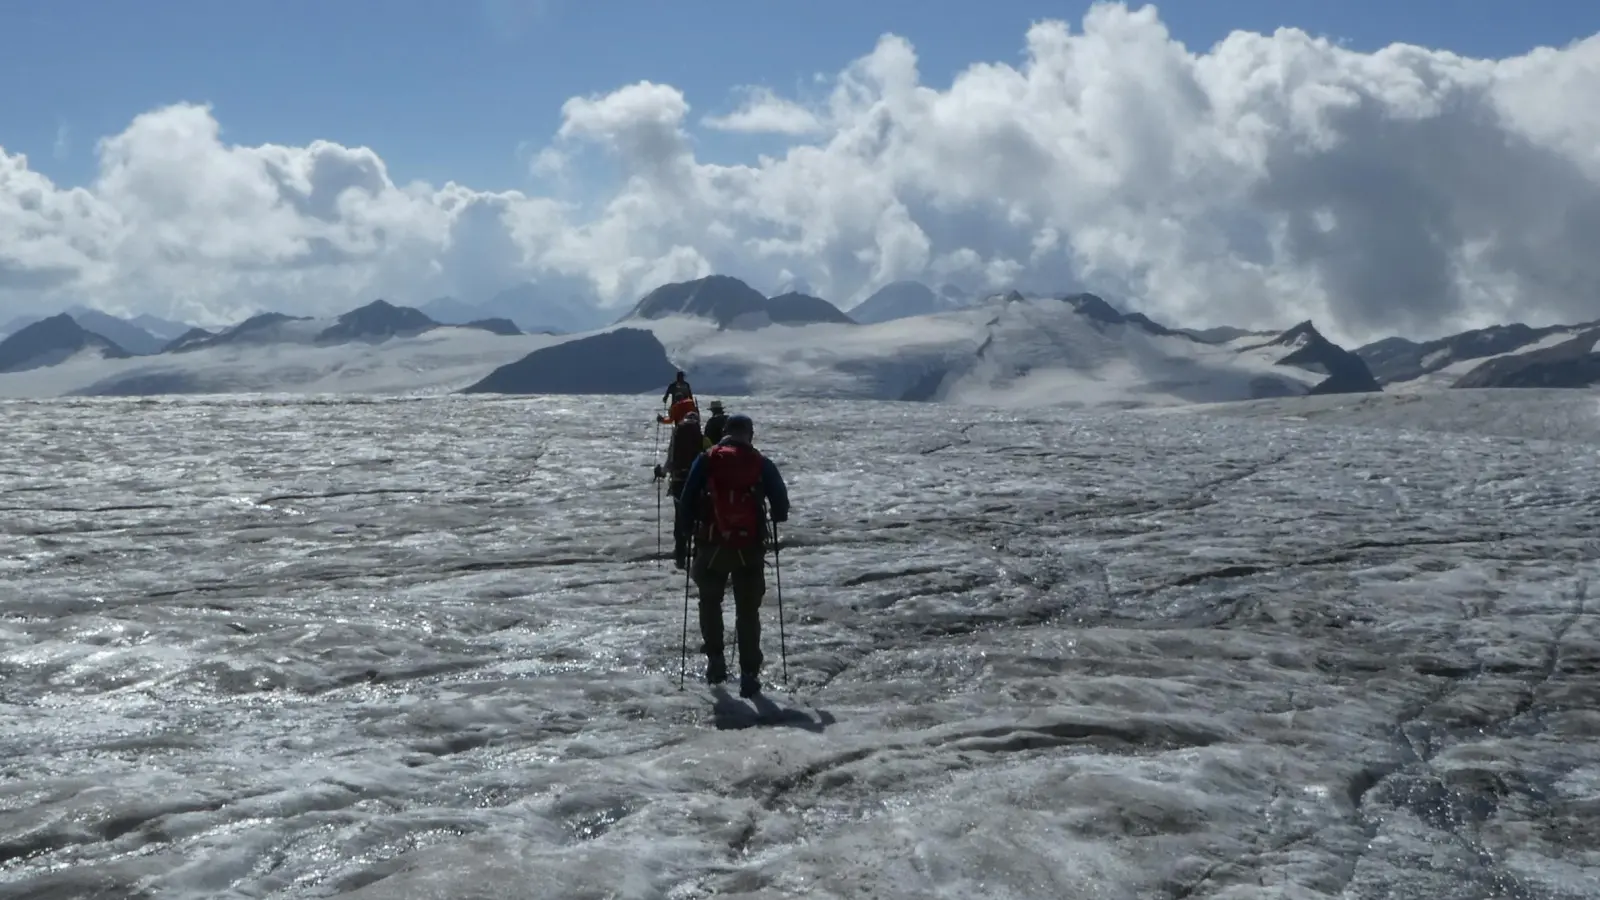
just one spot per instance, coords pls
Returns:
(733, 484)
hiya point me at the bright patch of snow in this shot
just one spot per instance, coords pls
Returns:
(440, 360)
(1435, 357)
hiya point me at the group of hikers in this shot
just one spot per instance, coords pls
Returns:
(724, 493)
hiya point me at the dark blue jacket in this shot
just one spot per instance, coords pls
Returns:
(695, 485)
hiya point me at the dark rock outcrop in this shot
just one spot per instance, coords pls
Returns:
(623, 361)
(258, 329)
(144, 384)
(1570, 364)
(1152, 326)
(1098, 310)
(1309, 350)
(731, 303)
(1095, 308)
(257, 324)
(720, 298)
(926, 388)
(186, 340)
(50, 341)
(1221, 334)
(377, 321)
(803, 309)
(498, 326)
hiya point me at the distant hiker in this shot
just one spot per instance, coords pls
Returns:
(724, 504)
(717, 422)
(679, 410)
(678, 390)
(686, 443)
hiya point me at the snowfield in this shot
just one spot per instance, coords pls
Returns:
(1331, 647)
(438, 361)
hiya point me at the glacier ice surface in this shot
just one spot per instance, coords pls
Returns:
(418, 648)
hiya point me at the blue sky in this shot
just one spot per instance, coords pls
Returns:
(449, 90)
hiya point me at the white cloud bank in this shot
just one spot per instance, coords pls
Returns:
(1270, 178)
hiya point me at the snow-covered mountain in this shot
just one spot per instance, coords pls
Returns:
(795, 308)
(1010, 350)
(728, 302)
(1347, 373)
(377, 321)
(1443, 362)
(379, 347)
(633, 362)
(1571, 362)
(143, 334)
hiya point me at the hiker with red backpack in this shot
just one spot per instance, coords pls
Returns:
(725, 508)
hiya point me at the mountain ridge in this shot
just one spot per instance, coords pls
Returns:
(732, 303)
(51, 341)
(1072, 348)
(921, 356)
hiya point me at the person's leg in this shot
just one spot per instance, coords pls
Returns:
(749, 587)
(712, 580)
(675, 489)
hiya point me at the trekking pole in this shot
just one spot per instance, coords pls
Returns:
(683, 671)
(656, 454)
(777, 567)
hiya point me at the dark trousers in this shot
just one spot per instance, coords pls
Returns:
(714, 570)
(675, 490)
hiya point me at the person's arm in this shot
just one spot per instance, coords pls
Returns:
(777, 492)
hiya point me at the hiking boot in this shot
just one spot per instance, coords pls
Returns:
(716, 670)
(749, 685)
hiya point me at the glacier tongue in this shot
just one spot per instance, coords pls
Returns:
(421, 648)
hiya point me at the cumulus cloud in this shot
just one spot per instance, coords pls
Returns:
(1270, 178)
(764, 112)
